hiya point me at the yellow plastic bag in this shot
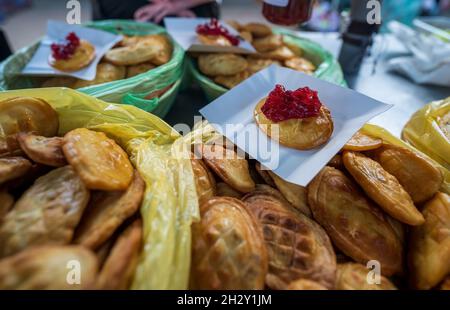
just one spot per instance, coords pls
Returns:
(170, 202)
(376, 131)
(423, 132)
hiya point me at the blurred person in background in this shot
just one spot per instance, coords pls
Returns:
(403, 11)
(430, 7)
(445, 7)
(325, 16)
(154, 10)
(7, 8)
(436, 7)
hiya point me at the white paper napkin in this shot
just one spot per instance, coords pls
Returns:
(183, 31)
(232, 116)
(57, 31)
(429, 62)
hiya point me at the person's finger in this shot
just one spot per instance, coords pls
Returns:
(159, 17)
(142, 16)
(148, 12)
(141, 13)
(137, 14)
(164, 9)
(187, 14)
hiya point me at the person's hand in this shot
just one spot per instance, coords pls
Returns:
(158, 9)
(187, 13)
(153, 10)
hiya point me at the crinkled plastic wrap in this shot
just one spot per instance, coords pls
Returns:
(376, 131)
(170, 202)
(423, 132)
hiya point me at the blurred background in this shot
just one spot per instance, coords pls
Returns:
(24, 21)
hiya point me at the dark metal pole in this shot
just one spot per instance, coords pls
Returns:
(359, 35)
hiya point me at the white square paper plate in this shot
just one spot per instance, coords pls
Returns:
(57, 31)
(232, 116)
(183, 31)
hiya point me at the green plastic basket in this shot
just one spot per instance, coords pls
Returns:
(127, 91)
(328, 68)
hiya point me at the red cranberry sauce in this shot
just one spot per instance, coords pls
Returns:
(214, 28)
(65, 50)
(284, 104)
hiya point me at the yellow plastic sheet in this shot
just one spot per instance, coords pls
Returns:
(170, 201)
(376, 131)
(423, 132)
